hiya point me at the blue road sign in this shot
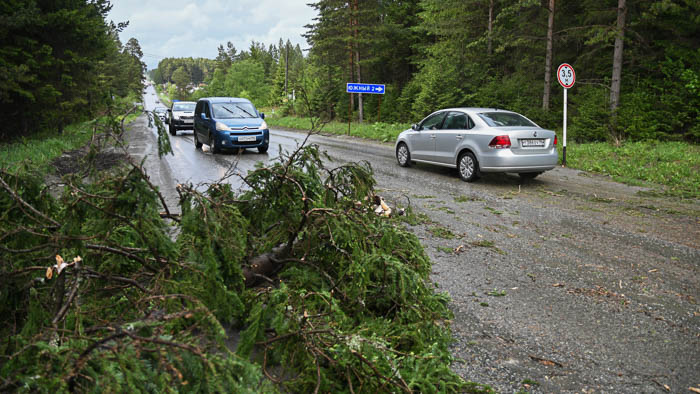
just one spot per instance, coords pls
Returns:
(371, 88)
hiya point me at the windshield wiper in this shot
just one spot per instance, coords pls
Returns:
(231, 112)
(242, 109)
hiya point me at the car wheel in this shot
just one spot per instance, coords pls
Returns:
(262, 149)
(468, 167)
(528, 175)
(173, 131)
(403, 156)
(212, 144)
(197, 144)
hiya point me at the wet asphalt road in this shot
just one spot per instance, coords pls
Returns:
(568, 283)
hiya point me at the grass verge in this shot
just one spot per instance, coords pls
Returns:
(384, 132)
(43, 147)
(673, 165)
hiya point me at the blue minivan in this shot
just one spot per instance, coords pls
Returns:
(229, 123)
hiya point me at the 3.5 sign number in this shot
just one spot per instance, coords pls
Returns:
(566, 75)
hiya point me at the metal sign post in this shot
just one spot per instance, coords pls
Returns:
(566, 77)
(563, 157)
(371, 88)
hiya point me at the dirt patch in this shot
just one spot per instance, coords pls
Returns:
(78, 160)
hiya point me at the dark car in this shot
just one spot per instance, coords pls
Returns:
(229, 123)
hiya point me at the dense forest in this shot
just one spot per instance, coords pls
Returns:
(62, 62)
(636, 63)
(257, 73)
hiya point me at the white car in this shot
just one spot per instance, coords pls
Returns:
(181, 116)
(479, 140)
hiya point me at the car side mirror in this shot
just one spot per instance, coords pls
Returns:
(203, 115)
(169, 110)
(262, 115)
(415, 127)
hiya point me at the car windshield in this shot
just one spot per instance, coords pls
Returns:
(183, 107)
(500, 119)
(234, 110)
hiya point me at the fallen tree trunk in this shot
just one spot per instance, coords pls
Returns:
(263, 266)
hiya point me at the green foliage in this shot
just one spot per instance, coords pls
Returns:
(142, 303)
(207, 240)
(245, 79)
(591, 116)
(454, 59)
(352, 303)
(181, 79)
(60, 64)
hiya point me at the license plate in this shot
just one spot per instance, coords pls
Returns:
(188, 121)
(532, 143)
(246, 138)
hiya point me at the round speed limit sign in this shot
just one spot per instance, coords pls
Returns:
(566, 75)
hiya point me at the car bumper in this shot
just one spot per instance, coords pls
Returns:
(183, 124)
(504, 160)
(235, 140)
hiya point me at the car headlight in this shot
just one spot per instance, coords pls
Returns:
(222, 127)
(263, 125)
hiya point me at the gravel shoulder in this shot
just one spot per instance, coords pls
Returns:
(568, 283)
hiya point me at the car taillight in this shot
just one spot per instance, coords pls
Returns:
(500, 142)
(555, 140)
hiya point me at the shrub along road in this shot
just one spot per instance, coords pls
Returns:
(568, 283)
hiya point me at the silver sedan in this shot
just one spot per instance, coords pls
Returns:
(478, 140)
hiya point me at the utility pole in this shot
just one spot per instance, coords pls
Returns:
(286, 71)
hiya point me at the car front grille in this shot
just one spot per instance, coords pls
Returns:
(244, 128)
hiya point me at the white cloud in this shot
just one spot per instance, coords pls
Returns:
(188, 28)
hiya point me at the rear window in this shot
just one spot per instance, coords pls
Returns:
(500, 119)
(183, 106)
(234, 110)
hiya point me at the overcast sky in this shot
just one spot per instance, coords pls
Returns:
(189, 28)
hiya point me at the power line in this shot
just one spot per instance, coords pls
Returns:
(153, 55)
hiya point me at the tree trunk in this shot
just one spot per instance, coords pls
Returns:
(617, 66)
(351, 64)
(264, 265)
(548, 59)
(359, 80)
(357, 62)
(489, 50)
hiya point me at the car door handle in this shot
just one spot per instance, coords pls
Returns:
(432, 135)
(459, 137)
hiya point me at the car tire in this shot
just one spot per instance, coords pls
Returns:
(197, 144)
(212, 145)
(263, 149)
(403, 156)
(468, 167)
(526, 176)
